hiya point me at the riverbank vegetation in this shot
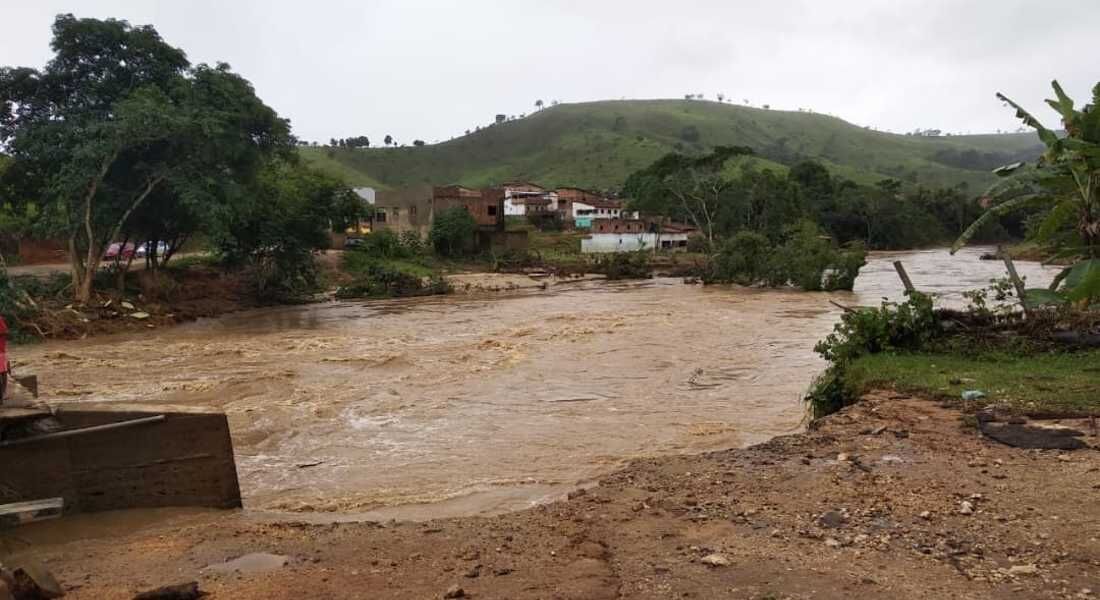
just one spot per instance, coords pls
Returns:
(1031, 350)
(120, 139)
(386, 265)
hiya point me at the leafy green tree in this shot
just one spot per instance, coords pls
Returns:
(275, 224)
(538, 104)
(116, 116)
(1065, 184)
(685, 187)
(452, 232)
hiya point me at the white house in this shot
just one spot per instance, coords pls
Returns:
(524, 198)
(584, 212)
(632, 235)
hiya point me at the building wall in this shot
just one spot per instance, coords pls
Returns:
(405, 209)
(486, 206)
(598, 243)
(185, 460)
(619, 226)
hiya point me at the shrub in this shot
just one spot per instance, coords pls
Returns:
(743, 259)
(910, 325)
(515, 259)
(624, 265)
(452, 232)
(698, 243)
(381, 280)
(546, 221)
(412, 243)
(383, 244)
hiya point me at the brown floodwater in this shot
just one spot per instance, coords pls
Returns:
(475, 405)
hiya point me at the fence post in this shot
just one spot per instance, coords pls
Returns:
(904, 277)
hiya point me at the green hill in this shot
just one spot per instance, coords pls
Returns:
(598, 144)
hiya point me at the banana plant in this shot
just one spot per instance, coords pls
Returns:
(1065, 183)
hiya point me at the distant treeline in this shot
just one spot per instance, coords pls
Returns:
(722, 202)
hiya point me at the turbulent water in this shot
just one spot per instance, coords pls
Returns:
(457, 405)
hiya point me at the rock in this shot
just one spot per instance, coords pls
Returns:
(832, 542)
(715, 560)
(925, 515)
(502, 572)
(454, 592)
(842, 457)
(32, 581)
(831, 519)
(474, 572)
(1064, 457)
(257, 562)
(878, 430)
(971, 395)
(1017, 570)
(126, 305)
(1032, 436)
(577, 493)
(966, 508)
(180, 591)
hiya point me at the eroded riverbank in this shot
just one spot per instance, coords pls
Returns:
(475, 405)
(891, 498)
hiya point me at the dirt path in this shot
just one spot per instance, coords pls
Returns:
(870, 504)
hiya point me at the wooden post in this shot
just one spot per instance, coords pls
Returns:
(904, 277)
(1016, 281)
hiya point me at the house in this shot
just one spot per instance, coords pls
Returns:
(486, 206)
(523, 197)
(568, 195)
(404, 209)
(414, 208)
(628, 235)
(584, 212)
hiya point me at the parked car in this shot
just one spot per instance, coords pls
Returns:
(352, 242)
(162, 249)
(117, 250)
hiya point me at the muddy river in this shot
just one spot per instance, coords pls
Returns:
(467, 405)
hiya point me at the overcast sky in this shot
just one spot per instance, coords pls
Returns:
(430, 69)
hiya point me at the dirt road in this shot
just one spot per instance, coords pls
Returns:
(888, 499)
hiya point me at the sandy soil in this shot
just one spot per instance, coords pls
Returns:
(892, 498)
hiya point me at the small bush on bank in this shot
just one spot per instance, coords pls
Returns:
(624, 265)
(382, 280)
(511, 260)
(908, 325)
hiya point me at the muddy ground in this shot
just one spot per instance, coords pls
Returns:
(892, 498)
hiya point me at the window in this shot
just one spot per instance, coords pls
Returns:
(412, 211)
(380, 216)
(492, 209)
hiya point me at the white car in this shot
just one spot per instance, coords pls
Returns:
(162, 249)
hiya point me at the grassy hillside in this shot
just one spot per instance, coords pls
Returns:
(597, 144)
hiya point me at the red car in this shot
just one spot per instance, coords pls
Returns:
(115, 249)
(3, 357)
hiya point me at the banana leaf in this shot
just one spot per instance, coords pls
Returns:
(997, 211)
(1038, 297)
(1064, 104)
(1083, 280)
(1047, 136)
